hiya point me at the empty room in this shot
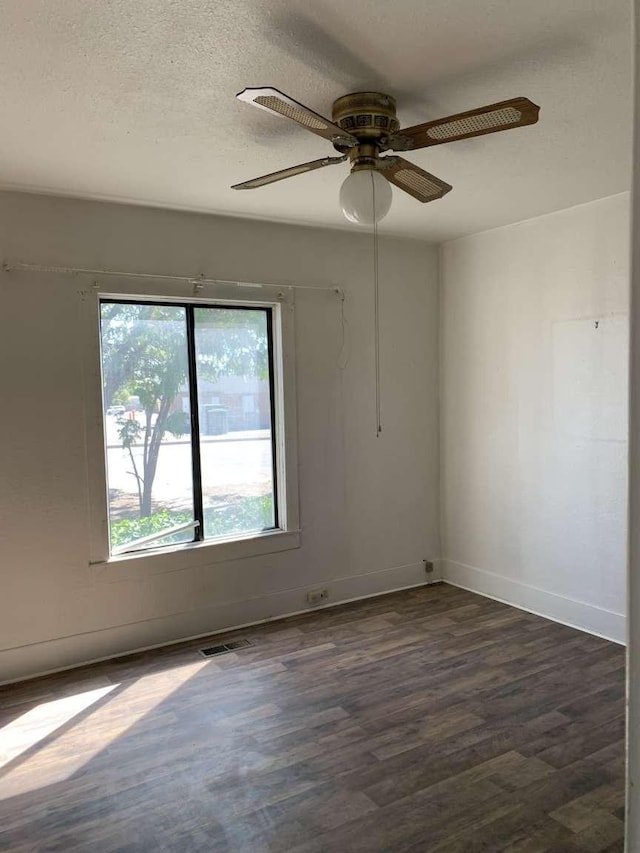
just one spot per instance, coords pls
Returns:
(319, 500)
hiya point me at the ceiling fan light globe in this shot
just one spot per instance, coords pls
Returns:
(357, 194)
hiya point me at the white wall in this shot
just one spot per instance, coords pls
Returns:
(369, 505)
(534, 358)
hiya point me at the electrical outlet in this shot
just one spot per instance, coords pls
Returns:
(428, 566)
(315, 596)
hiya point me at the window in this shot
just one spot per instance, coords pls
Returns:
(191, 422)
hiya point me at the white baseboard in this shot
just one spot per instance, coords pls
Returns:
(62, 653)
(568, 611)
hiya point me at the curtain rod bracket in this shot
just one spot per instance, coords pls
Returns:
(198, 284)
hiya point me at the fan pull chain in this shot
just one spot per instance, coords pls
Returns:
(376, 299)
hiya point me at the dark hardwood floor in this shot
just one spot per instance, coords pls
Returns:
(426, 720)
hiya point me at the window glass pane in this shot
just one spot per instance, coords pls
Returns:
(234, 399)
(146, 424)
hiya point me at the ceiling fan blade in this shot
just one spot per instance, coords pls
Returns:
(501, 116)
(277, 102)
(272, 177)
(412, 179)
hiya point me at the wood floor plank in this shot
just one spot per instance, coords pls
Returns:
(427, 720)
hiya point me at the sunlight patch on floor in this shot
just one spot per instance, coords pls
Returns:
(64, 755)
(38, 723)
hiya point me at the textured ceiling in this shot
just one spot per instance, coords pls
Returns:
(135, 101)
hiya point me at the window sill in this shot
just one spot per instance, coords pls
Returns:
(194, 554)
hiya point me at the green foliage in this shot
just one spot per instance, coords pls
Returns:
(129, 529)
(129, 431)
(244, 516)
(250, 513)
(231, 341)
(177, 423)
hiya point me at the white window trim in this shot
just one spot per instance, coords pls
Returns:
(192, 554)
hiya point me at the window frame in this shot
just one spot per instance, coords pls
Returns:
(280, 307)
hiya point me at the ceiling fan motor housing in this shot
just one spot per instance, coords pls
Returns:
(369, 116)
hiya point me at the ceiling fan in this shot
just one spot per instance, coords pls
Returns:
(364, 125)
